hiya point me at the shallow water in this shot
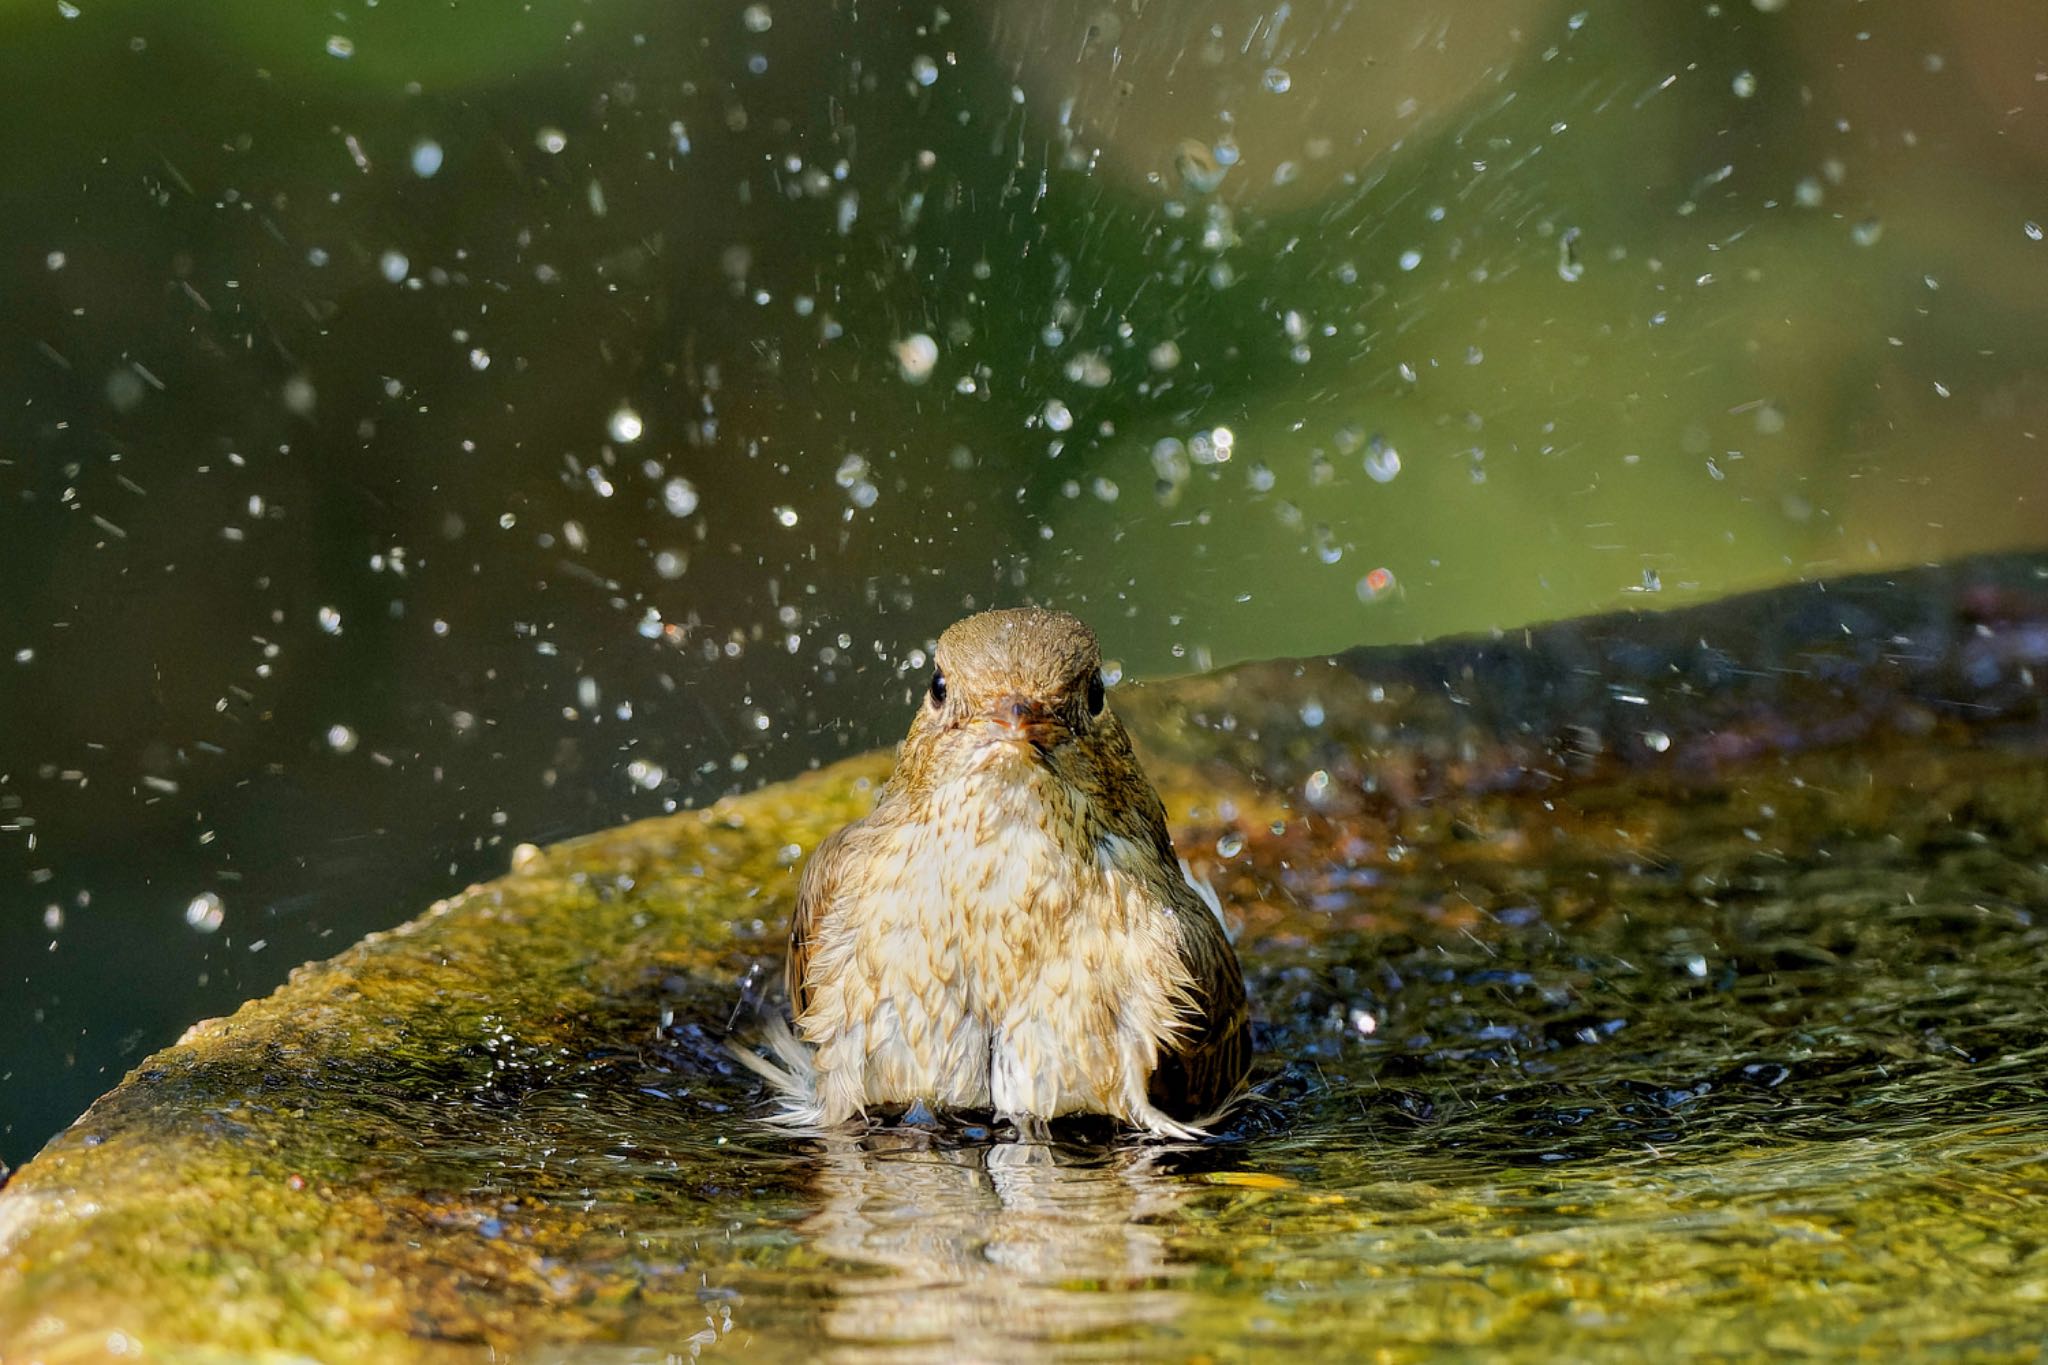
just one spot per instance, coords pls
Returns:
(1727, 1093)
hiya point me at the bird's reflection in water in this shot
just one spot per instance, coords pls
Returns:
(988, 1248)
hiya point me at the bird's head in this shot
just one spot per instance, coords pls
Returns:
(1016, 687)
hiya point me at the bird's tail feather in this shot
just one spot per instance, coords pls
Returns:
(790, 1074)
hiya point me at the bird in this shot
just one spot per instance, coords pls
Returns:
(1009, 930)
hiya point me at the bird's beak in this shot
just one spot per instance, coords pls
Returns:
(1026, 719)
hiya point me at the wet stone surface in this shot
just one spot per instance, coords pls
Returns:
(1637, 984)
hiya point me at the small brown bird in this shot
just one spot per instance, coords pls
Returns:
(1010, 928)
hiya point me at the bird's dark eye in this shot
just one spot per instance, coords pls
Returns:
(1095, 697)
(938, 689)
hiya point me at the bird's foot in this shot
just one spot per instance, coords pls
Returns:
(1030, 1128)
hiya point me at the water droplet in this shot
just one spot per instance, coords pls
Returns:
(2033, 229)
(1656, 740)
(330, 620)
(341, 739)
(916, 355)
(924, 70)
(1214, 446)
(1382, 461)
(205, 912)
(1570, 268)
(1165, 356)
(679, 496)
(757, 18)
(426, 158)
(785, 516)
(1170, 460)
(1744, 84)
(1201, 170)
(1230, 845)
(624, 425)
(479, 358)
(338, 46)
(1868, 232)
(1057, 415)
(1376, 585)
(1278, 81)
(1090, 369)
(300, 397)
(1410, 259)
(551, 140)
(646, 775)
(394, 266)
(1326, 547)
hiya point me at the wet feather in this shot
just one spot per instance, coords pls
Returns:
(1010, 929)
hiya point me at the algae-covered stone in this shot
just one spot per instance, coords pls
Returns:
(1577, 955)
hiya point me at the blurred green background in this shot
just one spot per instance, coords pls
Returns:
(429, 427)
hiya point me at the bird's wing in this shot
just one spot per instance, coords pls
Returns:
(1202, 1063)
(816, 892)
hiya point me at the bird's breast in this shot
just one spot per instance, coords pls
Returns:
(996, 884)
(1001, 949)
